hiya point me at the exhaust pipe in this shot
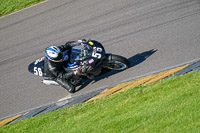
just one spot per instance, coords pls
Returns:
(49, 82)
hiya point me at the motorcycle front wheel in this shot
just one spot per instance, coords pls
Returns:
(117, 62)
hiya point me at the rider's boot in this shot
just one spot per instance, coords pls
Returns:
(63, 80)
(66, 84)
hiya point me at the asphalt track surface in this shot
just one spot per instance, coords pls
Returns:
(154, 35)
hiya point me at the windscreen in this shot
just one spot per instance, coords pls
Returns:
(80, 51)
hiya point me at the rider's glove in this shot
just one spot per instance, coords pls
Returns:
(82, 41)
(78, 71)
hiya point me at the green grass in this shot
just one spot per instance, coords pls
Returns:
(9, 6)
(169, 106)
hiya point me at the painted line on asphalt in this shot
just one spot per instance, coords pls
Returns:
(112, 90)
(3, 122)
(141, 81)
(65, 98)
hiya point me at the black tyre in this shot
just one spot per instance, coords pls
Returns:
(117, 62)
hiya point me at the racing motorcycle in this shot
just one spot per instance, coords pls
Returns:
(90, 55)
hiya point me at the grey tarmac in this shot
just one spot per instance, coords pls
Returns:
(153, 34)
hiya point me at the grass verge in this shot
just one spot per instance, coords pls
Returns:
(170, 106)
(9, 6)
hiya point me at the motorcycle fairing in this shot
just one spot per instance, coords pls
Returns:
(37, 67)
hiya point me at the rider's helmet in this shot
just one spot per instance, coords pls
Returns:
(54, 54)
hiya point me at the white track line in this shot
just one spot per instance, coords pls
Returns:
(65, 98)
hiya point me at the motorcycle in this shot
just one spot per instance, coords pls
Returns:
(90, 55)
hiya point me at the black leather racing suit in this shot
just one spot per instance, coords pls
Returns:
(58, 71)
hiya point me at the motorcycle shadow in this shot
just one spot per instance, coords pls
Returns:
(134, 60)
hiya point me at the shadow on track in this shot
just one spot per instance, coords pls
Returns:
(140, 57)
(134, 60)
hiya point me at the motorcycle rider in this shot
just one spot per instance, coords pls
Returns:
(56, 64)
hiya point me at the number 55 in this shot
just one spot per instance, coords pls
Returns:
(95, 54)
